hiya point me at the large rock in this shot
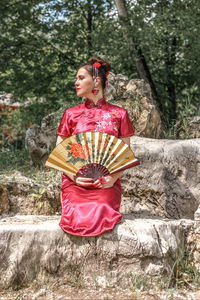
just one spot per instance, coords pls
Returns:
(167, 183)
(39, 142)
(135, 96)
(36, 248)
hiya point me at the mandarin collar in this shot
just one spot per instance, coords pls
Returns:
(90, 104)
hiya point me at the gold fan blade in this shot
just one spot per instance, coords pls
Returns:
(87, 140)
(58, 158)
(123, 166)
(114, 149)
(122, 158)
(109, 141)
(122, 154)
(55, 165)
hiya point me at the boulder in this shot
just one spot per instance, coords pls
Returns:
(36, 248)
(167, 182)
(135, 96)
(39, 142)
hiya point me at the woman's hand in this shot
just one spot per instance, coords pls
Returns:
(84, 182)
(105, 182)
(101, 183)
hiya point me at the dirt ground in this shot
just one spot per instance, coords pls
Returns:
(65, 292)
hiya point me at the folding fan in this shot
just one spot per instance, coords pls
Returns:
(92, 154)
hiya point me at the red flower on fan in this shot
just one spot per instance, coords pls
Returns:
(82, 151)
(97, 65)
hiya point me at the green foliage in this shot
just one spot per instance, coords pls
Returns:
(139, 282)
(31, 63)
(39, 195)
(14, 123)
(167, 32)
(183, 275)
(12, 158)
(183, 272)
(41, 52)
(42, 43)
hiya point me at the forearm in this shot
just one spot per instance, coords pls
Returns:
(60, 139)
(115, 176)
(71, 176)
(109, 180)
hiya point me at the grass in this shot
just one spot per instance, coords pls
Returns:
(139, 282)
(183, 272)
(183, 276)
(14, 161)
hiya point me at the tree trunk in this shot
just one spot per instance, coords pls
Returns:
(141, 64)
(170, 60)
(89, 25)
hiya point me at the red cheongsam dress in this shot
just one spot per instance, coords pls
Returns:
(90, 212)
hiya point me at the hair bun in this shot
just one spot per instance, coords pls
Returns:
(104, 63)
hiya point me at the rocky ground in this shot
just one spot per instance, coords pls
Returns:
(141, 288)
(67, 292)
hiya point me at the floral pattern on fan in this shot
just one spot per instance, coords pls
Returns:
(77, 150)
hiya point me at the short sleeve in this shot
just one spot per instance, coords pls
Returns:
(126, 127)
(64, 127)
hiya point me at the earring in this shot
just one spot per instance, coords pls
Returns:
(95, 91)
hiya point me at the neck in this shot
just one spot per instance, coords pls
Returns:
(96, 98)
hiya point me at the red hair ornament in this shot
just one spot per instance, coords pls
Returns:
(96, 66)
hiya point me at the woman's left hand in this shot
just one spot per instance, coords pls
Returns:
(107, 182)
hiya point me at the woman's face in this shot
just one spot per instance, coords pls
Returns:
(84, 83)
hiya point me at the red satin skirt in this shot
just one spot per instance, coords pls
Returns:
(89, 212)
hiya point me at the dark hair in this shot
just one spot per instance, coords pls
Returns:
(102, 70)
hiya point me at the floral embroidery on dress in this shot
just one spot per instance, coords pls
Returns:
(108, 119)
(106, 116)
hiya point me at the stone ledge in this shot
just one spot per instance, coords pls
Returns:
(34, 247)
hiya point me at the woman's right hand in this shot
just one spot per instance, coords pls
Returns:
(84, 182)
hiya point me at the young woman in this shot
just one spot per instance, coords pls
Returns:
(91, 208)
